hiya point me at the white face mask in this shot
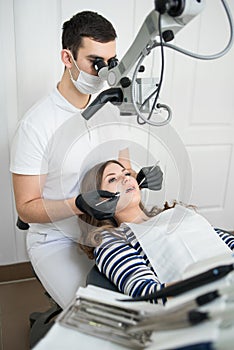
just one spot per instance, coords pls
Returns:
(86, 83)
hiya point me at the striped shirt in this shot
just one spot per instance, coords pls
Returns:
(226, 237)
(121, 258)
(123, 261)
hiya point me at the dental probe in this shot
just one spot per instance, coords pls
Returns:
(107, 199)
(149, 172)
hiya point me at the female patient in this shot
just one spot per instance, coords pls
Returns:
(117, 253)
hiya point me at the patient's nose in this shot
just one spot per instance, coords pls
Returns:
(124, 178)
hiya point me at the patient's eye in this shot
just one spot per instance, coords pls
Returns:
(112, 179)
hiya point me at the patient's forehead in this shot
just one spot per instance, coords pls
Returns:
(112, 168)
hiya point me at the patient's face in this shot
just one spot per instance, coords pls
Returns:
(117, 179)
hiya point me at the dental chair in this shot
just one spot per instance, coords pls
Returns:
(96, 278)
(41, 322)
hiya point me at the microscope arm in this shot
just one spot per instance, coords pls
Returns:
(171, 24)
(178, 14)
(113, 95)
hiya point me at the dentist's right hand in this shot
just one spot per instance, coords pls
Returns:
(150, 177)
(99, 204)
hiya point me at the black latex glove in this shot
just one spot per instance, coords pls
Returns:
(21, 224)
(153, 178)
(87, 203)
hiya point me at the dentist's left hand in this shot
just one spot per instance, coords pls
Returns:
(91, 203)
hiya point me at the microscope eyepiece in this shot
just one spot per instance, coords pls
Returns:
(112, 62)
(99, 64)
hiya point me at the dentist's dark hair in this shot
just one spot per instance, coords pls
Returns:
(86, 24)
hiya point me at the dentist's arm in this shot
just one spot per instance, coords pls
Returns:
(32, 207)
(124, 159)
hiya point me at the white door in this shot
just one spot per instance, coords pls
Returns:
(200, 94)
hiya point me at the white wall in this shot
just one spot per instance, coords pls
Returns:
(200, 93)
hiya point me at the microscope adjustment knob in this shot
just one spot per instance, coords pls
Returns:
(168, 35)
(125, 82)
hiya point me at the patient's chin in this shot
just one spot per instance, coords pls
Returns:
(127, 202)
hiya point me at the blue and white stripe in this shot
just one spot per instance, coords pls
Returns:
(121, 258)
(226, 237)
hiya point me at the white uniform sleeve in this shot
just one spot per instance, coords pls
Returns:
(28, 151)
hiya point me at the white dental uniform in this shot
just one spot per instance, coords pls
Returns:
(53, 139)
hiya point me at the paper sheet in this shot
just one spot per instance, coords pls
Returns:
(176, 239)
